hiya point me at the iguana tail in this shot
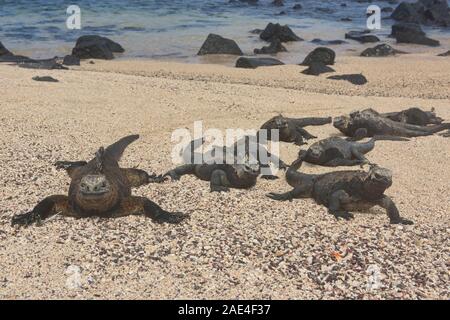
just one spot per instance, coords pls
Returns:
(388, 138)
(296, 178)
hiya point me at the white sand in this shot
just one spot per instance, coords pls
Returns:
(236, 245)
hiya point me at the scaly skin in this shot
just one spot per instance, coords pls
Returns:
(370, 123)
(414, 116)
(336, 151)
(291, 129)
(239, 152)
(343, 191)
(222, 177)
(111, 196)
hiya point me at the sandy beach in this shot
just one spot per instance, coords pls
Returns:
(239, 245)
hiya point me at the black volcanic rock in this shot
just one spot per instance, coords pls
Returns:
(278, 3)
(412, 33)
(445, 54)
(357, 79)
(276, 31)
(322, 55)
(45, 79)
(48, 64)
(215, 44)
(381, 50)
(96, 47)
(253, 63)
(427, 12)
(71, 60)
(328, 42)
(274, 47)
(361, 36)
(4, 51)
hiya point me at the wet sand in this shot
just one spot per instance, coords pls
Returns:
(239, 245)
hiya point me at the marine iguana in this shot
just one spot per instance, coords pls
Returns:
(342, 191)
(101, 188)
(414, 116)
(219, 154)
(336, 151)
(291, 129)
(369, 123)
(222, 177)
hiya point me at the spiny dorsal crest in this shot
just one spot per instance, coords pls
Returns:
(99, 158)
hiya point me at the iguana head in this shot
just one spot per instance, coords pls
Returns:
(341, 123)
(281, 122)
(315, 151)
(96, 186)
(378, 179)
(248, 168)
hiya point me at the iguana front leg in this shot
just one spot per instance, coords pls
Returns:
(335, 205)
(392, 211)
(57, 204)
(144, 206)
(219, 181)
(305, 134)
(138, 177)
(297, 138)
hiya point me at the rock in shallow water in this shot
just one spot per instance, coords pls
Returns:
(381, 50)
(427, 12)
(49, 64)
(4, 51)
(323, 55)
(361, 36)
(278, 32)
(96, 47)
(412, 33)
(215, 44)
(71, 60)
(328, 42)
(274, 47)
(253, 63)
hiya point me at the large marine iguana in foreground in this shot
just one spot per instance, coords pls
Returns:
(336, 151)
(370, 123)
(414, 116)
(101, 188)
(222, 177)
(291, 129)
(343, 191)
(248, 147)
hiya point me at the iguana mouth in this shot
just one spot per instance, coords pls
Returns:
(340, 122)
(380, 175)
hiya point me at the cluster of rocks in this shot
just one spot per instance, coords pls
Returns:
(275, 34)
(426, 12)
(412, 15)
(86, 47)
